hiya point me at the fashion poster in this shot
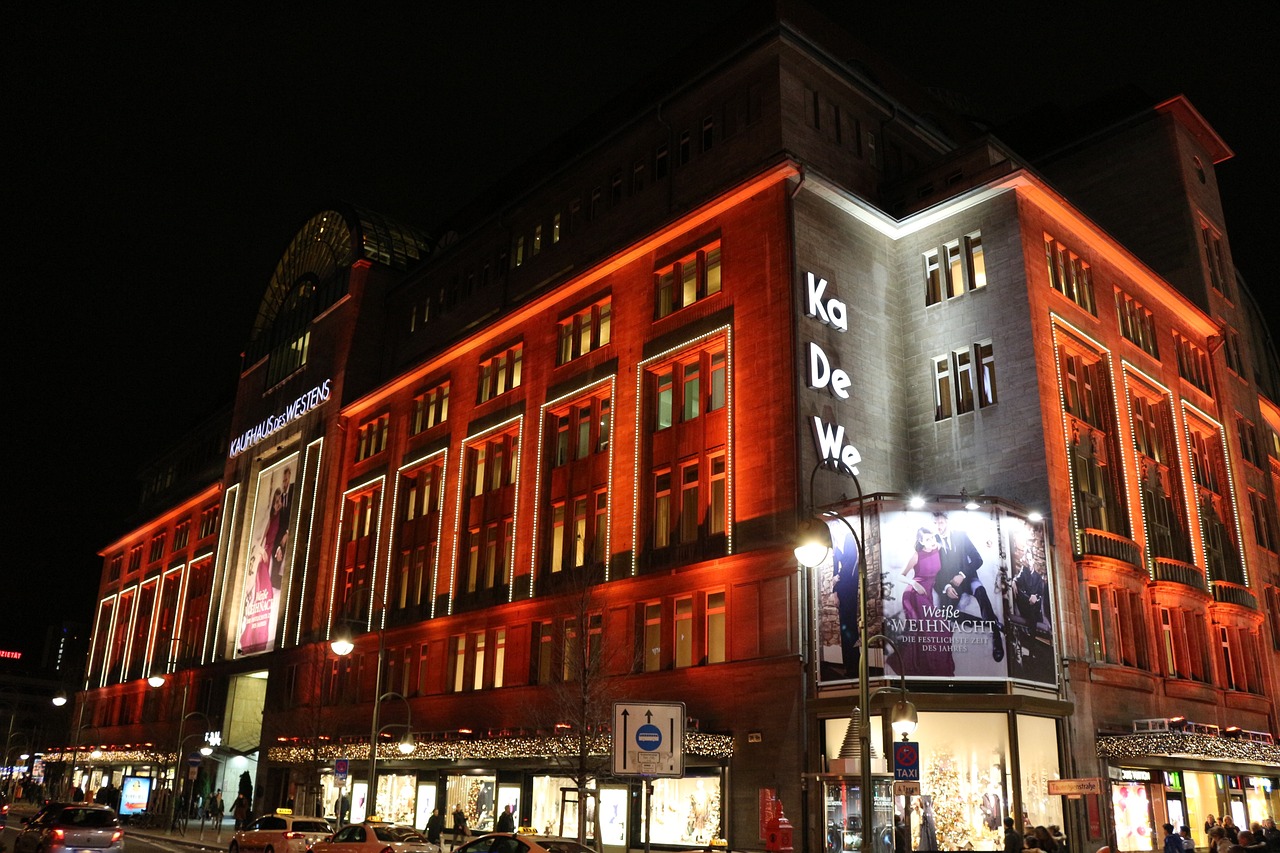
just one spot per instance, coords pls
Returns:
(269, 554)
(944, 605)
(1029, 628)
(838, 604)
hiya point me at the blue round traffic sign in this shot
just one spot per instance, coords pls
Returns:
(648, 737)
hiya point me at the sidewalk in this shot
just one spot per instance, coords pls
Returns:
(192, 839)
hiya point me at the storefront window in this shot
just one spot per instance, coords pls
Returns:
(1201, 793)
(475, 794)
(613, 816)
(555, 798)
(426, 803)
(1258, 797)
(1131, 809)
(509, 795)
(686, 811)
(1039, 762)
(843, 816)
(396, 797)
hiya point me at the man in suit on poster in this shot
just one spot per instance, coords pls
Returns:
(959, 575)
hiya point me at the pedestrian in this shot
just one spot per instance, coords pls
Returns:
(1012, 838)
(1271, 835)
(1044, 840)
(215, 808)
(1188, 843)
(506, 820)
(459, 825)
(435, 827)
(240, 810)
(1172, 841)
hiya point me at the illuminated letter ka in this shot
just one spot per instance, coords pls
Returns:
(831, 311)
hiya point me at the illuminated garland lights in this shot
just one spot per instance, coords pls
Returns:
(1163, 744)
(701, 744)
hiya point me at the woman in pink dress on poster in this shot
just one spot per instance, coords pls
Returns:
(927, 650)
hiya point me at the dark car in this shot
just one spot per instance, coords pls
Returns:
(64, 827)
(4, 810)
(510, 842)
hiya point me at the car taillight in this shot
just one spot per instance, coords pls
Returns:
(388, 849)
(117, 835)
(292, 835)
(59, 835)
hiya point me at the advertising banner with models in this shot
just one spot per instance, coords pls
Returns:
(270, 552)
(960, 594)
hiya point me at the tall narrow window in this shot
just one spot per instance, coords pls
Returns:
(666, 387)
(653, 637)
(718, 380)
(932, 278)
(715, 627)
(684, 632)
(572, 665)
(717, 520)
(662, 509)
(1166, 636)
(963, 361)
(941, 388)
(986, 374)
(499, 655)
(692, 387)
(1097, 637)
(557, 537)
(477, 681)
(690, 504)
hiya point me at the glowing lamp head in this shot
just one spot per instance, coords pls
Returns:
(407, 744)
(342, 643)
(60, 698)
(903, 719)
(814, 543)
(156, 680)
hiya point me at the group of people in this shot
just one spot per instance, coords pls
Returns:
(460, 830)
(1225, 837)
(1048, 838)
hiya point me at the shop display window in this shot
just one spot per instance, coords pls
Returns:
(686, 811)
(613, 816)
(1131, 810)
(476, 796)
(397, 796)
(1039, 762)
(555, 800)
(1200, 790)
(426, 803)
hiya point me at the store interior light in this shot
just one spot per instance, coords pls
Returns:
(1035, 516)
(916, 502)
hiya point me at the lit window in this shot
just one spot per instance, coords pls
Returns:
(585, 331)
(430, 408)
(1211, 240)
(684, 632)
(501, 373)
(1136, 323)
(1193, 363)
(1069, 274)
(653, 637)
(715, 627)
(688, 280)
(371, 438)
(964, 269)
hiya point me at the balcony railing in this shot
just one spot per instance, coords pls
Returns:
(1176, 571)
(1230, 593)
(1102, 543)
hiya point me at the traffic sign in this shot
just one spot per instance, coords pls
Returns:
(906, 789)
(906, 761)
(648, 739)
(341, 767)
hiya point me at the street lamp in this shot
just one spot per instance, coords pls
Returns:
(205, 748)
(810, 552)
(342, 645)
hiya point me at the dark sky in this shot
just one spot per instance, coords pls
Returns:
(158, 162)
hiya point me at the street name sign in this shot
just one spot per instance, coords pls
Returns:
(648, 739)
(1074, 787)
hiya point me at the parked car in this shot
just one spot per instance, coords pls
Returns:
(510, 842)
(282, 832)
(4, 810)
(374, 836)
(67, 827)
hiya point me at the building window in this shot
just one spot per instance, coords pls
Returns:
(1231, 350)
(1263, 520)
(1248, 442)
(536, 247)
(518, 253)
(500, 373)
(684, 147)
(660, 162)
(1273, 615)
(684, 631)
(686, 375)
(615, 189)
(1161, 493)
(715, 628)
(662, 508)
(1168, 643)
(113, 568)
(1069, 274)
(209, 521)
(1136, 323)
(708, 133)
(181, 533)
(1208, 464)
(587, 330)
(688, 280)
(576, 526)
(652, 636)
(1093, 453)
(430, 408)
(135, 558)
(555, 229)
(1211, 241)
(157, 548)
(954, 269)
(965, 378)
(371, 437)
(1193, 364)
(1097, 636)
(573, 663)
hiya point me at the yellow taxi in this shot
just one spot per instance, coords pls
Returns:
(282, 832)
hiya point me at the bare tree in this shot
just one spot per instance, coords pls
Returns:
(574, 705)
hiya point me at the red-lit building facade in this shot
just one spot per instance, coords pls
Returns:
(558, 459)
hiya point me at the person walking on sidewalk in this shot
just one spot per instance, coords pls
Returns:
(459, 825)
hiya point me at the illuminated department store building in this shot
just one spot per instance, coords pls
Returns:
(570, 443)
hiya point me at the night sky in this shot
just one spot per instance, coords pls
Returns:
(158, 163)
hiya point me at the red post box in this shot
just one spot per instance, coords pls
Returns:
(778, 832)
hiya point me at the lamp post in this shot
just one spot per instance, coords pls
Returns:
(205, 748)
(810, 553)
(342, 646)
